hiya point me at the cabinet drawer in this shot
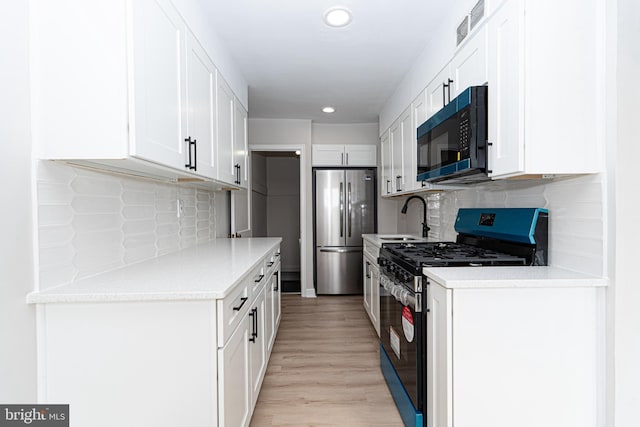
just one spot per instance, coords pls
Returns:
(272, 260)
(372, 250)
(234, 306)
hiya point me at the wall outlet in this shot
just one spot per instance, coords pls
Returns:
(179, 208)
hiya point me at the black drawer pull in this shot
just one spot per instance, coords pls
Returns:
(259, 279)
(241, 304)
(253, 313)
(270, 264)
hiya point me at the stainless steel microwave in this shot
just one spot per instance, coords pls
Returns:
(452, 144)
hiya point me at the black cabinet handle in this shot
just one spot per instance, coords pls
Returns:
(448, 86)
(277, 275)
(252, 313)
(278, 254)
(259, 279)
(241, 304)
(388, 182)
(254, 324)
(270, 264)
(237, 168)
(195, 155)
(256, 319)
(192, 165)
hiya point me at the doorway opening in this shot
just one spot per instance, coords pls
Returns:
(276, 208)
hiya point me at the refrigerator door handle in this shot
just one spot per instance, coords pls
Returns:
(340, 250)
(341, 209)
(349, 206)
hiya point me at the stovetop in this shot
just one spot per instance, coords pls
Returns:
(414, 256)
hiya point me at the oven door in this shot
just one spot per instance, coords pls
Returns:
(402, 336)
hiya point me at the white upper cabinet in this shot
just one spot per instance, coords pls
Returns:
(469, 65)
(227, 172)
(138, 85)
(241, 145)
(159, 83)
(467, 68)
(395, 138)
(385, 161)
(409, 148)
(343, 155)
(360, 155)
(201, 112)
(545, 88)
(438, 91)
(506, 102)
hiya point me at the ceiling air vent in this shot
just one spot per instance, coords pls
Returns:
(463, 30)
(477, 13)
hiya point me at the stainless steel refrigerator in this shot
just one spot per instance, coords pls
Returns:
(344, 210)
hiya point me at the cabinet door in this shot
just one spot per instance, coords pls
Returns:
(257, 347)
(409, 151)
(506, 119)
(201, 111)
(327, 155)
(224, 141)
(277, 297)
(234, 376)
(241, 145)
(469, 65)
(375, 297)
(366, 288)
(159, 79)
(360, 155)
(269, 329)
(439, 357)
(385, 160)
(436, 94)
(395, 136)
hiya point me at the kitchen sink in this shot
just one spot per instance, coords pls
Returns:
(399, 239)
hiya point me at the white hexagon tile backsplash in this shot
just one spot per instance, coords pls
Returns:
(91, 222)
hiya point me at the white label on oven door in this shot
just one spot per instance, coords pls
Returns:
(394, 338)
(407, 323)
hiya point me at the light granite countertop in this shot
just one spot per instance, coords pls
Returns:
(511, 277)
(205, 271)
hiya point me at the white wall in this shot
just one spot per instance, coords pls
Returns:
(17, 324)
(623, 170)
(292, 133)
(357, 133)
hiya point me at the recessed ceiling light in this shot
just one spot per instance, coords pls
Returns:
(337, 17)
(328, 110)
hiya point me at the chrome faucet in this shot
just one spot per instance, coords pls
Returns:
(425, 228)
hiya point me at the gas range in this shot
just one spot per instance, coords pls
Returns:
(486, 237)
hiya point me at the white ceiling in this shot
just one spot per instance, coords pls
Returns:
(295, 64)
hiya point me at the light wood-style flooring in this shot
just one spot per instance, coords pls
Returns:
(324, 368)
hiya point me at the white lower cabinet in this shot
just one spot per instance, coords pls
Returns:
(371, 284)
(185, 362)
(233, 377)
(505, 357)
